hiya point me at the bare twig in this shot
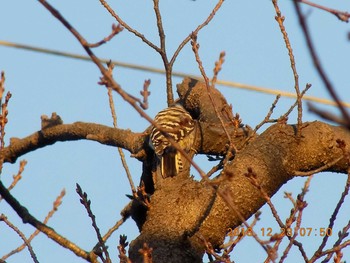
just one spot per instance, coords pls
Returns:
(264, 121)
(285, 116)
(218, 66)
(56, 204)
(17, 176)
(29, 246)
(211, 252)
(330, 252)
(342, 16)
(226, 196)
(122, 249)
(125, 213)
(267, 117)
(2, 86)
(215, 168)
(252, 177)
(195, 32)
(112, 229)
(115, 30)
(326, 115)
(120, 150)
(87, 204)
(239, 234)
(338, 244)
(163, 54)
(195, 48)
(318, 65)
(299, 206)
(3, 111)
(24, 214)
(145, 93)
(332, 219)
(127, 27)
(280, 19)
(320, 169)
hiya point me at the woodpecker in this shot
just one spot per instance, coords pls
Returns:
(178, 124)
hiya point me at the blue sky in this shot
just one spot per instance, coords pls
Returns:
(42, 84)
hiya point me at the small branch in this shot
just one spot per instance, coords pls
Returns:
(113, 229)
(24, 214)
(195, 48)
(326, 115)
(195, 32)
(87, 204)
(217, 69)
(338, 245)
(125, 213)
(159, 25)
(115, 30)
(333, 250)
(145, 93)
(122, 249)
(56, 204)
(265, 120)
(141, 196)
(235, 122)
(342, 16)
(251, 175)
(168, 67)
(285, 116)
(319, 251)
(17, 177)
(211, 252)
(267, 117)
(120, 150)
(226, 196)
(299, 206)
(280, 19)
(318, 65)
(233, 242)
(127, 27)
(26, 241)
(3, 114)
(320, 169)
(215, 168)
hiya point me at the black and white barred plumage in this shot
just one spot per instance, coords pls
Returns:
(178, 124)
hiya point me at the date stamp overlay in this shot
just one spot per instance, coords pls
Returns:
(269, 231)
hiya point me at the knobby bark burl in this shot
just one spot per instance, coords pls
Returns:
(184, 211)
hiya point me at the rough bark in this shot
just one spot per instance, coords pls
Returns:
(183, 211)
(57, 132)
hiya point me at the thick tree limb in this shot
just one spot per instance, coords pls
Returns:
(275, 156)
(126, 139)
(183, 211)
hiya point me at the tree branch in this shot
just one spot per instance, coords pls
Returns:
(24, 214)
(126, 139)
(275, 156)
